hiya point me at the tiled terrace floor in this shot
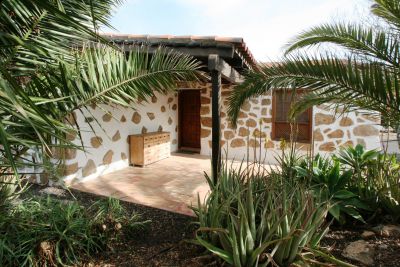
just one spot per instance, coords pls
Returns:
(171, 184)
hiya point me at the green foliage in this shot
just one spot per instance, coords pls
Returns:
(252, 218)
(365, 75)
(330, 184)
(49, 232)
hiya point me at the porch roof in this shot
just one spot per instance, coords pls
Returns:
(231, 49)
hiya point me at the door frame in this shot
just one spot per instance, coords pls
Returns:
(197, 150)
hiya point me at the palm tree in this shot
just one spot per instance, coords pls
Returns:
(53, 62)
(363, 74)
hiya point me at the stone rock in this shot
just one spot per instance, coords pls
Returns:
(258, 133)
(243, 131)
(328, 146)
(170, 99)
(251, 114)
(160, 128)
(163, 109)
(53, 191)
(223, 114)
(266, 102)
(367, 234)
(346, 121)
(154, 99)
(254, 101)
(360, 251)
(229, 135)
(365, 130)
(246, 106)
(348, 143)
(116, 136)
(242, 115)
(205, 133)
(70, 169)
(254, 143)
(371, 117)
(389, 230)
(238, 142)
(63, 153)
(123, 118)
(264, 112)
(205, 100)
(144, 130)
(174, 142)
(89, 119)
(174, 106)
(151, 115)
(204, 110)
(89, 168)
(71, 136)
(269, 144)
(361, 142)
(107, 117)
(107, 159)
(123, 156)
(169, 120)
(318, 135)
(96, 141)
(136, 117)
(206, 121)
(251, 123)
(266, 120)
(336, 134)
(321, 119)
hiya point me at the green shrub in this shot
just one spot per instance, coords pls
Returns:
(49, 232)
(252, 218)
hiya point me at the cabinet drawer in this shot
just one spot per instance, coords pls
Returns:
(148, 148)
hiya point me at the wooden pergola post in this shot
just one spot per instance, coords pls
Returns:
(213, 62)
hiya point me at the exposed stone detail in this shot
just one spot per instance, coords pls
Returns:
(318, 135)
(71, 136)
(93, 105)
(206, 121)
(266, 102)
(222, 115)
(163, 109)
(251, 114)
(70, 169)
(123, 118)
(254, 101)
(237, 143)
(327, 130)
(136, 117)
(303, 146)
(328, 146)
(107, 159)
(63, 153)
(151, 115)
(107, 117)
(336, 134)
(154, 99)
(170, 121)
(116, 136)
(90, 168)
(266, 120)
(258, 133)
(242, 115)
(160, 128)
(321, 119)
(144, 130)
(123, 156)
(372, 117)
(174, 142)
(269, 144)
(229, 135)
(251, 123)
(365, 130)
(205, 100)
(96, 141)
(174, 106)
(205, 133)
(89, 119)
(348, 143)
(264, 112)
(346, 121)
(361, 142)
(246, 106)
(254, 143)
(243, 131)
(170, 100)
(204, 110)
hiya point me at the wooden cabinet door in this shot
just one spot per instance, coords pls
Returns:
(189, 118)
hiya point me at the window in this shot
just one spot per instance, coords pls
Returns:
(281, 128)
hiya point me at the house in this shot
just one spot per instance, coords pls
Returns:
(196, 115)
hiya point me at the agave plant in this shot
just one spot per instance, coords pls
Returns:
(365, 75)
(250, 219)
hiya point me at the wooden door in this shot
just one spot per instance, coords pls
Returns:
(189, 119)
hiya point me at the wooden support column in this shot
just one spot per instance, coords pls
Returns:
(216, 121)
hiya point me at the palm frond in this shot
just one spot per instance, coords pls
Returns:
(388, 10)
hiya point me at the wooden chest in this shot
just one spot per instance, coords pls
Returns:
(148, 148)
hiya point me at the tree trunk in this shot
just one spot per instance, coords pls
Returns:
(398, 135)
